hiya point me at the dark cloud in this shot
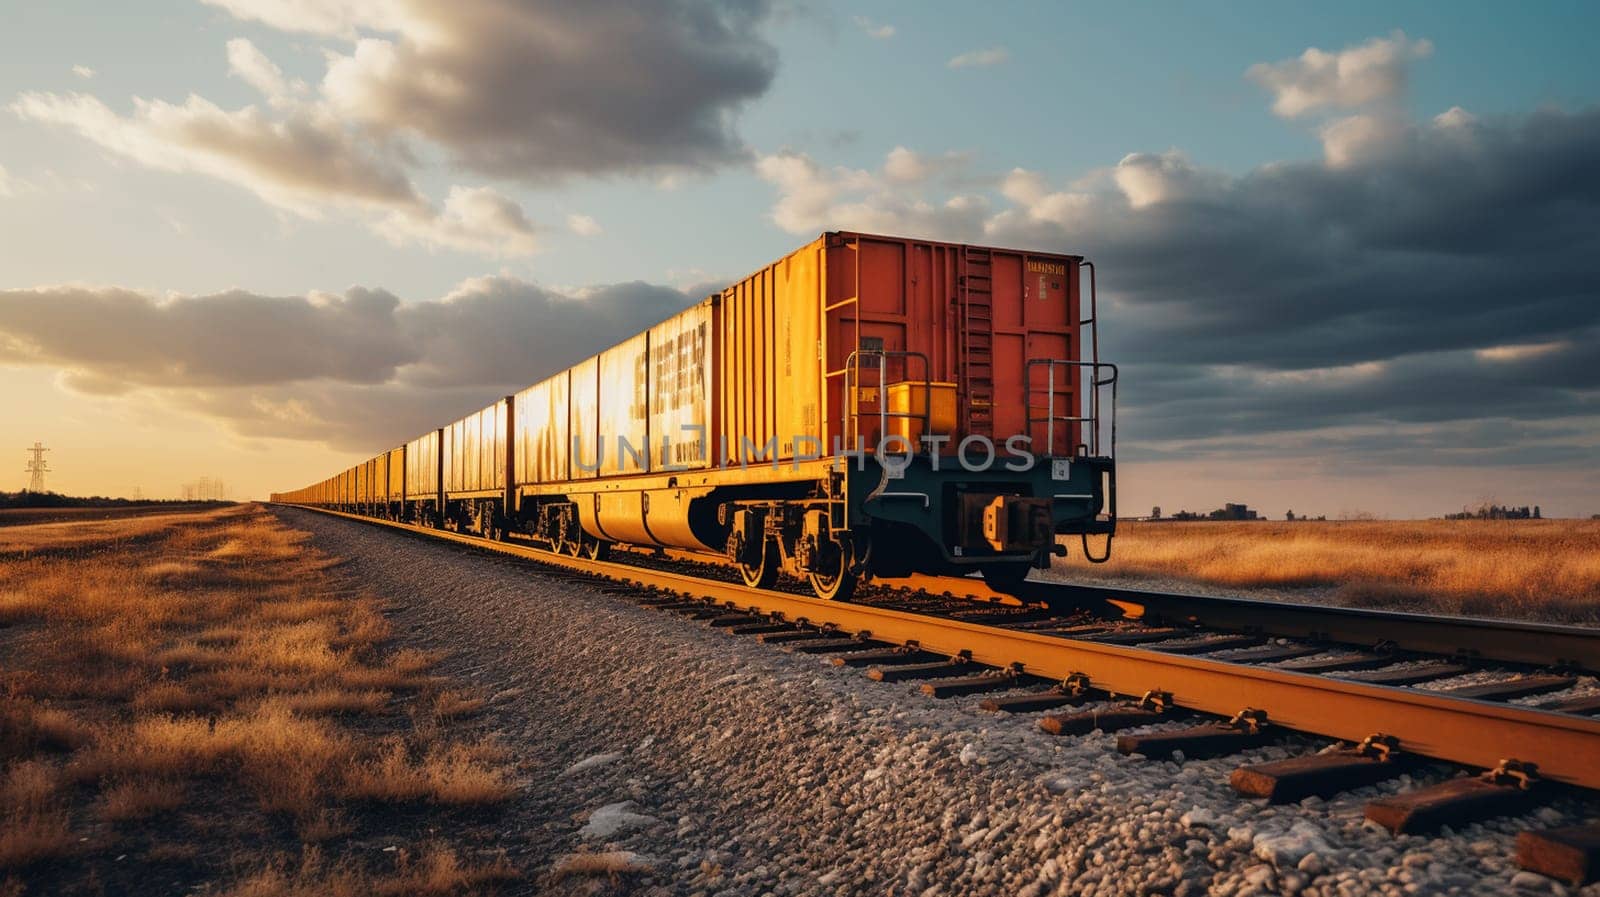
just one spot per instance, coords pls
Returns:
(1422, 273)
(355, 370)
(502, 330)
(1462, 237)
(122, 337)
(541, 89)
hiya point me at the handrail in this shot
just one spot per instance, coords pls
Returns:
(1093, 419)
(853, 365)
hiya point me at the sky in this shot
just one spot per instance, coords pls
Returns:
(1348, 256)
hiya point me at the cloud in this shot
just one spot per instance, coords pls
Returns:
(6, 188)
(973, 59)
(299, 163)
(1146, 179)
(357, 370)
(1355, 76)
(873, 29)
(249, 64)
(535, 91)
(1443, 273)
(541, 91)
(473, 219)
(83, 72)
(911, 167)
(813, 198)
(583, 225)
(329, 18)
(303, 160)
(133, 339)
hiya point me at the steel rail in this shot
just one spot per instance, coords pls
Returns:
(1560, 747)
(1507, 641)
(1543, 645)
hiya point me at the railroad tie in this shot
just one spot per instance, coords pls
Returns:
(1209, 644)
(1136, 636)
(1275, 653)
(1511, 689)
(1153, 707)
(762, 628)
(1586, 705)
(1570, 854)
(1411, 675)
(727, 620)
(999, 617)
(674, 604)
(989, 680)
(1347, 662)
(937, 670)
(886, 657)
(1072, 693)
(1325, 774)
(832, 645)
(1505, 790)
(706, 611)
(797, 635)
(1247, 729)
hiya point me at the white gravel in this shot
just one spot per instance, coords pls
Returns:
(738, 769)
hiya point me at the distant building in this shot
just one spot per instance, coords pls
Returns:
(1232, 511)
(1228, 511)
(1155, 513)
(1496, 512)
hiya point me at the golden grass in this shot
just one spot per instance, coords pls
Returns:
(438, 870)
(457, 774)
(141, 798)
(451, 704)
(612, 864)
(1536, 569)
(212, 667)
(33, 827)
(32, 836)
(83, 534)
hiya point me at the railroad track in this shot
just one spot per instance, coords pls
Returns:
(1516, 702)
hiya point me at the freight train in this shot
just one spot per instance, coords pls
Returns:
(867, 406)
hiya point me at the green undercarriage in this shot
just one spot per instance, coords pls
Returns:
(921, 517)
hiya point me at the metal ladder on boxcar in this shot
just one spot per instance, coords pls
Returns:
(975, 340)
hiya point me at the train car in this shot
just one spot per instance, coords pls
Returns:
(424, 473)
(865, 406)
(394, 483)
(476, 455)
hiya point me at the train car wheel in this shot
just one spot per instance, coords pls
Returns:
(837, 583)
(763, 573)
(596, 549)
(1005, 577)
(569, 544)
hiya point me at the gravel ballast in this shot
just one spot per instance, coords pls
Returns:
(661, 757)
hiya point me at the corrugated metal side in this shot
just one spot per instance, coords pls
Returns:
(475, 451)
(583, 438)
(422, 467)
(680, 389)
(624, 417)
(395, 474)
(906, 294)
(770, 370)
(542, 441)
(1036, 317)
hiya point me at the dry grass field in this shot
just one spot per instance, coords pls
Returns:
(1526, 569)
(190, 702)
